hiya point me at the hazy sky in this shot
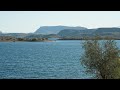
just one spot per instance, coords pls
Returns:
(29, 21)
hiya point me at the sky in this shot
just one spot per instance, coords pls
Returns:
(30, 21)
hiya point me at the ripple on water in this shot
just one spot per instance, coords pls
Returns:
(44, 60)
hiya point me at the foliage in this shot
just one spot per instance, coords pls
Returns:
(101, 57)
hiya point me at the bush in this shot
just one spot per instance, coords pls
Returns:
(101, 58)
(20, 39)
(34, 39)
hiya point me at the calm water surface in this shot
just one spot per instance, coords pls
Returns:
(42, 60)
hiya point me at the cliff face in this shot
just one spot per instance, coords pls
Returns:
(55, 29)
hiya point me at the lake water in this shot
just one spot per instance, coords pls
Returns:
(41, 60)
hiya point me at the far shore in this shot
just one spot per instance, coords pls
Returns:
(50, 40)
(29, 41)
(56, 40)
(91, 39)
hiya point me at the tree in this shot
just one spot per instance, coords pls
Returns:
(101, 57)
(34, 39)
(20, 39)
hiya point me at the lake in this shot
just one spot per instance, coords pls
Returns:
(42, 60)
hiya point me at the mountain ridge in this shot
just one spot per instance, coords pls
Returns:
(56, 29)
(71, 32)
(112, 32)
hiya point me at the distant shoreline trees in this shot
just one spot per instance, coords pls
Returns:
(89, 38)
(10, 38)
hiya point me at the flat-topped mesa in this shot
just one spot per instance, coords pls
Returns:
(55, 29)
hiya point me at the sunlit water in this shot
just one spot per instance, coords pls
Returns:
(42, 60)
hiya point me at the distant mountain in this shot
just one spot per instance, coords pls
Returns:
(75, 33)
(55, 29)
(70, 32)
(51, 36)
(34, 36)
(107, 30)
(17, 35)
(112, 32)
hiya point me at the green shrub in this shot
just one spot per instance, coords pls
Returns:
(101, 58)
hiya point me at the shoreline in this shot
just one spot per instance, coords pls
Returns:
(88, 39)
(29, 41)
(57, 40)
